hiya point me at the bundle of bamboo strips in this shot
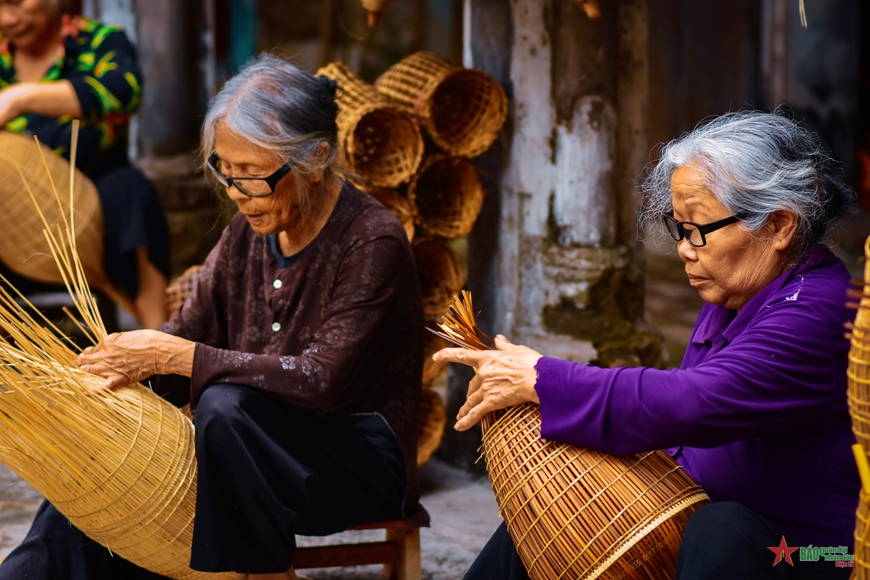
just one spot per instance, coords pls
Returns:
(578, 513)
(120, 465)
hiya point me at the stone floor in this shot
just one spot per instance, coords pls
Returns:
(463, 510)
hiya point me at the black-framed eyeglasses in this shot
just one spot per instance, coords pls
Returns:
(250, 186)
(694, 233)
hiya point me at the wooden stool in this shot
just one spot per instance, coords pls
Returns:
(399, 553)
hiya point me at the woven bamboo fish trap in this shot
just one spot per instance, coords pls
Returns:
(401, 206)
(462, 110)
(576, 513)
(119, 465)
(448, 194)
(24, 249)
(440, 274)
(180, 289)
(433, 418)
(858, 375)
(381, 143)
(431, 369)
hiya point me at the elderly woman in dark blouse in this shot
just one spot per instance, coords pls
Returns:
(300, 348)
(757, 412)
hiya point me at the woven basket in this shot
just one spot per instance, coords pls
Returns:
(401, 206)
(858, 375)
(432, 421)
(24, 249)
(862, 532)
(578, 514)
(461, 109)
(448, 194)
(381, 142)
(440, 274)
(180, 289)
(431, 369)
(135, 492)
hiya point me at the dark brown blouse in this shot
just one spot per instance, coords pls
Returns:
(338, 332)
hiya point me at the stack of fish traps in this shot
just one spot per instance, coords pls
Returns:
(430, 184)
(859, 408)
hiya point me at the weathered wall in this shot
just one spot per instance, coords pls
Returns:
(554, 255)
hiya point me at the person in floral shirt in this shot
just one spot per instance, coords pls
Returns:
(54, 68)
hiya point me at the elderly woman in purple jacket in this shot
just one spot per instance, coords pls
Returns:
(757, 412)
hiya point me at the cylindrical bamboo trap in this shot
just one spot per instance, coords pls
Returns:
(119, 465)
(381, 143)
(431, 369)
(178, 292)
(401, 206)
(28, 255)
(440, 274)
(461, 109)
(858, 391)
(448, 194)
(576, 513)
(432, 421)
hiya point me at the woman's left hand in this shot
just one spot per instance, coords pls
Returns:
(505, 377)
(126, 358)
(12, 102)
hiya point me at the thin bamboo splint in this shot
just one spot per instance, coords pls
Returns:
(576, 513)
(119, 465)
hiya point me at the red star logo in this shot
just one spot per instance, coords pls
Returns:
(783, 552)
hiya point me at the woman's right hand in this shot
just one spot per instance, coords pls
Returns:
(126, 358)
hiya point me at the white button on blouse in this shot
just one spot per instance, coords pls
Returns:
(276, 326)
(277, 284)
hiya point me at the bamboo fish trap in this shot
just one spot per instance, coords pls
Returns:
(401, 206)
(27, 256)
(461, 109)
(575, 513)
(858, 375)
(381, 142)
(120, 465)
(440, 274)
(448, 194)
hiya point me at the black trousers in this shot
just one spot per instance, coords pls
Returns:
(267, 471)
(722, 541)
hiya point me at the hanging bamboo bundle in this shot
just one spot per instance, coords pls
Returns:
(440, 274)
(401, 206)
(381, 142)
(448, 194)
(120, 465)
(27, 256)
(576, 513)
(461, 109)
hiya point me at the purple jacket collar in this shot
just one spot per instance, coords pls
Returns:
(719, 318)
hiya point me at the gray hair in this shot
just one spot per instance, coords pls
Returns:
(755, 164)
(283, 110)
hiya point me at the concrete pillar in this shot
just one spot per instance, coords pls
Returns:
(554, 259)
(169, 54)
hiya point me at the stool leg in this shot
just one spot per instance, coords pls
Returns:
(407, 566)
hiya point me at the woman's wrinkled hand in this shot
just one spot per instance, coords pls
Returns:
(505, 377)
(126, 358)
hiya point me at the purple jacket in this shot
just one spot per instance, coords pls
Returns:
(757, 413)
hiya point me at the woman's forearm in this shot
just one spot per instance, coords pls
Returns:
(53, 99)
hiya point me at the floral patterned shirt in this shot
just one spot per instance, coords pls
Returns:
(339, 331)
(100, 63)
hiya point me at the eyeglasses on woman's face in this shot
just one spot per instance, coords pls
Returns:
(694, 233)
(250, 186)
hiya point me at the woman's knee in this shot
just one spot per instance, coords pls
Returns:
(219, 410)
